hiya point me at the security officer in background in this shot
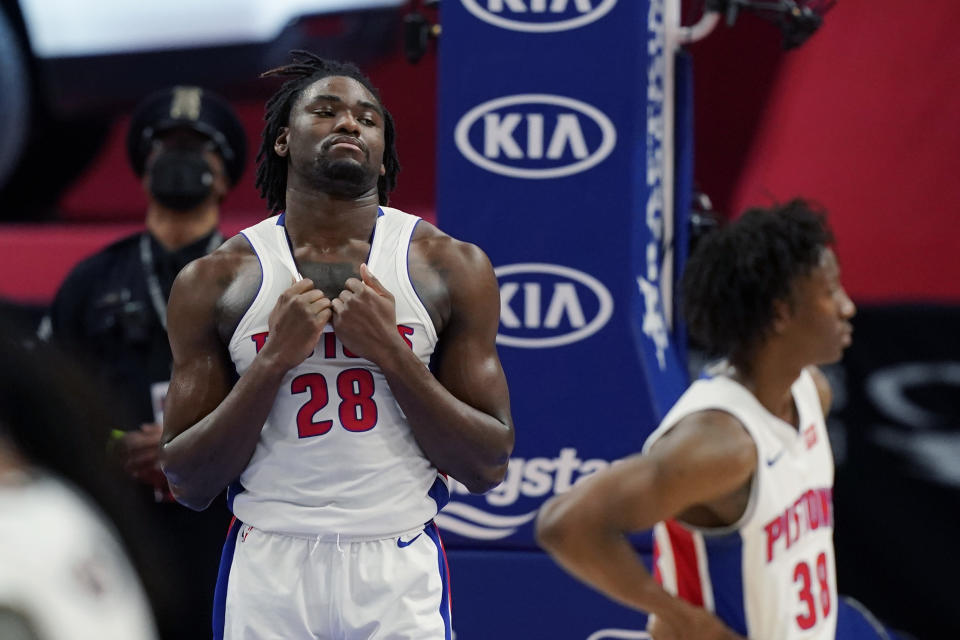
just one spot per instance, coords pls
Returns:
(189, 148)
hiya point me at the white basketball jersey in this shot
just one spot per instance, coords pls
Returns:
(62, 567)
(336, 454)
(771, 575)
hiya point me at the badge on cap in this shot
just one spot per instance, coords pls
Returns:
(186, 103)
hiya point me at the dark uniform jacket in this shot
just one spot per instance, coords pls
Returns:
(103, 314)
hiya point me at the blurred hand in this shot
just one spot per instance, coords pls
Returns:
(139, 455)
(689, 622)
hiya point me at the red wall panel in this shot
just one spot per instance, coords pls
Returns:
(865, 119)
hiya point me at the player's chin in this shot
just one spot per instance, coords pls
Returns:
(840, 351)
(833, 355)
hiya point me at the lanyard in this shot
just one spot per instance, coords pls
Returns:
(153, 281)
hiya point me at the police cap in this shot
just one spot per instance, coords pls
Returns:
(193, 107)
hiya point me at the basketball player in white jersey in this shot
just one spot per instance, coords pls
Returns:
(332, 365)
(737, 480)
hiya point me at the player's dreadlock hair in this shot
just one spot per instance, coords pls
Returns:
(735, 275)
(305, 69)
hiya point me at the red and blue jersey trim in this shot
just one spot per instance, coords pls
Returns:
(223, 579)
(434, 534)
(706, 571)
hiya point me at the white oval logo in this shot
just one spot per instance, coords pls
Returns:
(547, 305)
(539, 16)
(541, 136)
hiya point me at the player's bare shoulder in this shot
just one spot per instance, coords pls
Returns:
(218, 287)
(446, 271)
(708, 459)
(715, 429)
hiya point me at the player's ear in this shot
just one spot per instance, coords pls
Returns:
(782, 314)
(280, 145)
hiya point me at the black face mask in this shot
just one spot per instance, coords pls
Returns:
(180, 179)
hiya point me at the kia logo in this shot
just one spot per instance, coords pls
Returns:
(535, 136)
(547, 305)
(539, 16)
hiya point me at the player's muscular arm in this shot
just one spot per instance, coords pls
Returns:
(705, 458)
(461, 416)
(211, 426)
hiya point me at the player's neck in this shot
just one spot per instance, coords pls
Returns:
(323, 220)
(177, 229)
(769, 378)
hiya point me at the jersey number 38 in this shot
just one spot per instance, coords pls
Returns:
(803, 578)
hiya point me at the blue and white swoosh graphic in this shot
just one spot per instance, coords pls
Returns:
(470, 522)
(772, 461)
(619, 634)
(402, 544)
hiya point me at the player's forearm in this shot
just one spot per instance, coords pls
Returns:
(585, 529)
(599, 555)
(603, 559)
(467, 443)
(203, 459)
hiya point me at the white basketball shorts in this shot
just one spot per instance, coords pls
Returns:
(274, 586)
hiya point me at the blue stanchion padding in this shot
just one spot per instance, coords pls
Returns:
(552, 153)
(523, 594)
